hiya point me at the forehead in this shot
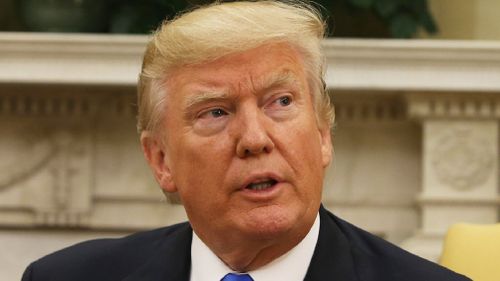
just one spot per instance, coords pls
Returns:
(257, 67)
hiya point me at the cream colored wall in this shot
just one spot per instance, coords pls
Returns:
(467, 19)
(488, 25)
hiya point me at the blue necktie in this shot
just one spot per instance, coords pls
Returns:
(236, 277)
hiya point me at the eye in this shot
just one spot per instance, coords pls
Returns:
(213, 113)
(282, 102)
(285, 101)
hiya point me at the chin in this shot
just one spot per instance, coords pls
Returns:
(271, 221)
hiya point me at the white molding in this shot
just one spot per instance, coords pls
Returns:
(422, 65)
(70, 58)
(453, 105)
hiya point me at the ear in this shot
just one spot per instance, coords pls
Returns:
(326, 145)
(154, 152)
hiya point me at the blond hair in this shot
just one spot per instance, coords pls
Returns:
(210, 32)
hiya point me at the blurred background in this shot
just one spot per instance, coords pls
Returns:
(416, 85)
(469, 19)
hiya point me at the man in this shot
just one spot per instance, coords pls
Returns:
(234, 118)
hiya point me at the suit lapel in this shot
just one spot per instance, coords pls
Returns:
(172, 260)
(332, 258)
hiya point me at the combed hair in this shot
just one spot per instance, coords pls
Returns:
(219, 29)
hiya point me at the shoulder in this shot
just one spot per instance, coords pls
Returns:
(377, 259)
(102, 259)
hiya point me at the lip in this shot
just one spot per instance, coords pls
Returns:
(265, 194)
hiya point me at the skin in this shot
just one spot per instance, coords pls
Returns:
(241, 119)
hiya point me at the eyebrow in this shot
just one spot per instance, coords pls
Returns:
(280, 79)
(271, 81)
(205, 96)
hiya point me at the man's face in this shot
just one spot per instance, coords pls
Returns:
(242, 145)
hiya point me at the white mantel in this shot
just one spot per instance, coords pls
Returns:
(71, 167)
(429, 65)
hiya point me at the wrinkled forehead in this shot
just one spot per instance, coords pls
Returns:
(263, 66)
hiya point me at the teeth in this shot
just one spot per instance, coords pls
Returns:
(260, 185)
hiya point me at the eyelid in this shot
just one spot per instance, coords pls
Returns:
(277, 96)
(288, 95)
(195, 103)
(209, 110)
(196, 109)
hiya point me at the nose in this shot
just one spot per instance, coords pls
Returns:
(253, 135)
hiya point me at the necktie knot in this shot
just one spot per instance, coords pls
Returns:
(237, 277)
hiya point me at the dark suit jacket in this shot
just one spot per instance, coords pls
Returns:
(343, 252)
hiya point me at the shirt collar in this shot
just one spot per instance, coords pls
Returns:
(292, 266)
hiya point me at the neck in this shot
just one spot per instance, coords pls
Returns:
(243, 255)
(255, 255)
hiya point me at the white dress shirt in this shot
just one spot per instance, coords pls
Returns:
(292, 266)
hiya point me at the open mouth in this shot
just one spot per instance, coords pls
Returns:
(261, 185)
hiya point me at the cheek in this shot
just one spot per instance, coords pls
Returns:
(199, 175)
(302, 141)
(303, 152)
(311, 159)
(199, 186)
(200, 165)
